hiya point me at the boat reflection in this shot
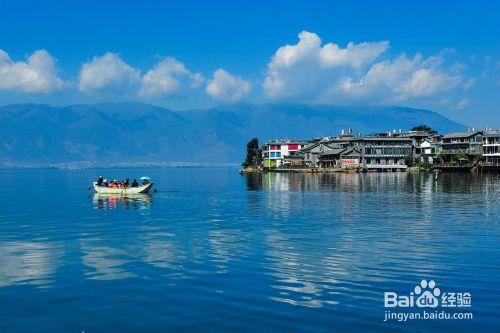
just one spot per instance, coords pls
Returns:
(131, 201)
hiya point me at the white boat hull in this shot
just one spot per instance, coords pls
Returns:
(122, 191)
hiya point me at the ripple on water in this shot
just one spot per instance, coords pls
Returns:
(215, 250)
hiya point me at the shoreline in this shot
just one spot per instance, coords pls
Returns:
(117, 165)
(341, 170)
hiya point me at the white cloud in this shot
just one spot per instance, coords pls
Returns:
(299, 70)
(108, 75)
(355, 55)
(310, 71)
(400, 79)
(330, 55)
(227, 87)
(168, 78)
(36, 74)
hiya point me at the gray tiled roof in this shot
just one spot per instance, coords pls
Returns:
(388, 138)
(491, 133)
(460, 134)
(351, 151)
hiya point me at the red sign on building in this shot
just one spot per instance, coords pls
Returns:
(349, 162)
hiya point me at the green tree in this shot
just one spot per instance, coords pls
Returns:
(253, 153)
(438, 159)
(424, 128)
(409, 160)
(456, 159)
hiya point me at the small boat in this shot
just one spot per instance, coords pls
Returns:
(122, 191)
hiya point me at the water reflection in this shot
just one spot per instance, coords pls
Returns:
(373, 182)
(131, 201)
(332, 237)
(300, 276)
(226, 247)
(105, 262)
(254, 181)
(24, 262)
(310, 251)
(162, 251)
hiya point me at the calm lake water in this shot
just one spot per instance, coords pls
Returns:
(214, 251)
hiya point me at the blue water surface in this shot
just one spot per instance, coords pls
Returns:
(215, 251)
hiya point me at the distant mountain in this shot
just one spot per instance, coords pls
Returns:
(135, 132)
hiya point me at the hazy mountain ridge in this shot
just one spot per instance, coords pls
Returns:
(134, 132)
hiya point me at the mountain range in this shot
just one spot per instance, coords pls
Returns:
(39, 134)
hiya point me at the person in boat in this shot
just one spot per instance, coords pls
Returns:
(100, 181)
(126, 183)
(105, 183)
(145, 182)
(135, 183)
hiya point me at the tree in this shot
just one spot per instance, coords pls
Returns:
(253, 153)
(424, 128)
(438, 159)
(409, 160)
(458, 158)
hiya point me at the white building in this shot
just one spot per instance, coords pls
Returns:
(426, 151)
(491, 147)
(274, 152)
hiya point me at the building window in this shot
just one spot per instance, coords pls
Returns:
(273, 154)
(278, 154)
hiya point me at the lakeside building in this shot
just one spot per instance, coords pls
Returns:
(311, 154)
(349, 157)
(386, 151)
(425, 152)
(469, 144)
(275, 152)
(491, 147)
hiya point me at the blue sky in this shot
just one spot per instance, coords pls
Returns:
(188, 54)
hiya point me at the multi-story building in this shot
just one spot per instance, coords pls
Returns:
(274, 152)
(468, 143)
(425, 152)
(384, 151)
(340, 157)
(491, 147)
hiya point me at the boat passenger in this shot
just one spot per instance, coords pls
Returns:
(145, 182)
(135, 183)
(126, 183)
(105, 183)
(100, 180)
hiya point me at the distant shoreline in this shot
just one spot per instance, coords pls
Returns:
(117, 165)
